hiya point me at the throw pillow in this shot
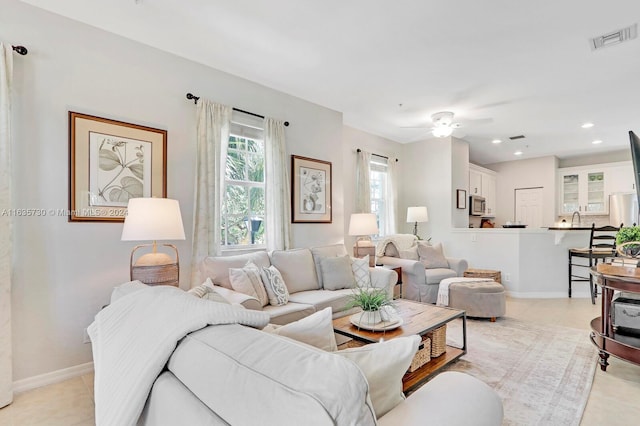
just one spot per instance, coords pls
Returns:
(247, 281)
(275, 286)
(411, 253)
(253, 272)
(432, 256)
(383, 364)
(360, 268)
(202, 289)
(337, 273)
(206, 290)
(315, 330)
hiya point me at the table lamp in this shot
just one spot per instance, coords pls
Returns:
(363, 225)
(415, 215)
(152, 219)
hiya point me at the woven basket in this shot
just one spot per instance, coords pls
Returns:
(438, 341)
(423, 355)
(484, 273)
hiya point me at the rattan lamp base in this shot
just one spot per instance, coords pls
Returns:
(156, 274)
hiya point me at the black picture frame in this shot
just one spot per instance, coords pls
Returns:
(461, 199)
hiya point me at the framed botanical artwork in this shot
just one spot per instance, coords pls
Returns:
(461, 195)
(311, 190)
(110, 162)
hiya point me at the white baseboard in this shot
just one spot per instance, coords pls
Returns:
(547, 295)
(52, 377)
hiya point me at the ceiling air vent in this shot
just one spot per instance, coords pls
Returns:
(615, 37)
(513, 138)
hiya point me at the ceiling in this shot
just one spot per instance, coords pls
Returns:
(503, 67)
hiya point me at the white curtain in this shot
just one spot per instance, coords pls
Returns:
(211, 156)
(277, 198)
(6, 377)
(390, 205)
(363, 184)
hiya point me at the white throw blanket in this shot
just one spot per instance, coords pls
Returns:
(400, 241)
(443, 289)
(134, 337)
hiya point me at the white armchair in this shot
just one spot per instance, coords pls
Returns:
(423, 266)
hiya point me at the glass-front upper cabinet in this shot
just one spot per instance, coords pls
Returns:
(570, 193)
(595, 193)
(583, 192)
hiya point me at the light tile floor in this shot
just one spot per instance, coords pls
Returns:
(613, 400)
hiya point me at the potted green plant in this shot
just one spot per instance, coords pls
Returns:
(370, 300)
(628, 241)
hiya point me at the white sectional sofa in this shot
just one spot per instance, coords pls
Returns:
(301, 272)
(231, 374)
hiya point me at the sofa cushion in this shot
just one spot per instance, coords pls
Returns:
(290, 312)
(325, 251)
(217, 267)
(435, 275)
(361, 273)
(432, 256)
(315, 330)
(248, 281)
(275, 286)
(321, 299)
(385, 384)
(271, 376)
(337, 273)
(297, 269)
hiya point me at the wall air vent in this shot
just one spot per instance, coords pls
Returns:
(513, 138)
(615, 37)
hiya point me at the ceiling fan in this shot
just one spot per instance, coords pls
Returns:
(443, 124)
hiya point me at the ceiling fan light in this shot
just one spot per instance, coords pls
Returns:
(442, 131)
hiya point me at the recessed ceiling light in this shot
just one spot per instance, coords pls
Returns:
(596, 142)
(517, 153)
(496, 141)
(587, 125)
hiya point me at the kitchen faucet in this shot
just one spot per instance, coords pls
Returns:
(574, 216)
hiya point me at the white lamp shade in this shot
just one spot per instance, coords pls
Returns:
(363, 224)
(417, 214)
(151, 219)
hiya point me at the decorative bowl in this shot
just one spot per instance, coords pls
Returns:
(630, 249)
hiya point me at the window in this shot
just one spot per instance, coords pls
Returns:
(243, 208)
(378, 183)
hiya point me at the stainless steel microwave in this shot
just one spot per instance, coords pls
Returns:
(476, 205)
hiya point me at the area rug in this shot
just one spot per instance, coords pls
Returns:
(543, 373)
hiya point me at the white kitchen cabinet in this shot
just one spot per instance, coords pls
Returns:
(620, 178)
(475, 182)
(489, 194)
(584, 191)
(483, 182)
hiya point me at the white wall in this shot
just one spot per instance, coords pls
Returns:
(352, 139)
(531, 173)
(64, 272)
(426, 177)
(459, 180)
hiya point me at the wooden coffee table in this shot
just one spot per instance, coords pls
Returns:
(418, 318)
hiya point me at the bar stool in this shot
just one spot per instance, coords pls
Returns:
(602, 244)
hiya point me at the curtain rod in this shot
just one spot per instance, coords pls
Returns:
(195, 101)
(377, 155)
(20, 50)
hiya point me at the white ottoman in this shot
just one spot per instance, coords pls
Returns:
(480, 298)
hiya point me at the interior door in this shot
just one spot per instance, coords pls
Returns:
(528, 208)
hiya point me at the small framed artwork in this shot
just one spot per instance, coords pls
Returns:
(111, 162)
(461, 195)
(310, 190)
